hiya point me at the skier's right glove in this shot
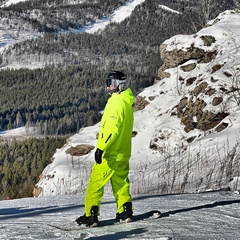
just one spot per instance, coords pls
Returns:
(98, 156)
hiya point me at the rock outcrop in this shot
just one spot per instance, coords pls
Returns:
(186, 54)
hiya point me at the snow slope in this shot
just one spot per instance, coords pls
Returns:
(118, 16)
(212, 216)
(10, 2)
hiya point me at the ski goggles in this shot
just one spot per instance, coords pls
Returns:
(114, 82)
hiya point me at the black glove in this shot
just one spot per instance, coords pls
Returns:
(98, 156)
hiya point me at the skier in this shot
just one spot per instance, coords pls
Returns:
(112, 154)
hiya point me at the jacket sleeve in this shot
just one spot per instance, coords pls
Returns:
(110, 124)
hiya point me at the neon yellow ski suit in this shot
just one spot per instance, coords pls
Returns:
(115, 140)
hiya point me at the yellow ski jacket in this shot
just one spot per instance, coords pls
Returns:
(115, 136)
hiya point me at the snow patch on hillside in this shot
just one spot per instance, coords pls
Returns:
(169, 9)
(11, 2)
(118, 16)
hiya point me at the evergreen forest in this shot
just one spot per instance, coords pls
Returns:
(22, 162)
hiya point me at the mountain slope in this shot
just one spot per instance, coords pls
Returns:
(174, 149)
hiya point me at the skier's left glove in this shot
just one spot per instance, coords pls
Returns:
(98, 156)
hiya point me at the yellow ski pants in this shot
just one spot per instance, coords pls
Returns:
(117, 173)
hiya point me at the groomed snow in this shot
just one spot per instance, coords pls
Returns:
(211, 216)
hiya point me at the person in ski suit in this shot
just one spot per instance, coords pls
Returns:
(112, 154)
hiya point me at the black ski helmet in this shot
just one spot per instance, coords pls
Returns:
(116, 79)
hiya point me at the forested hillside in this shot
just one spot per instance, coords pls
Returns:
(68, 98)
(21, 163)
(55, 15)
(67, 92)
